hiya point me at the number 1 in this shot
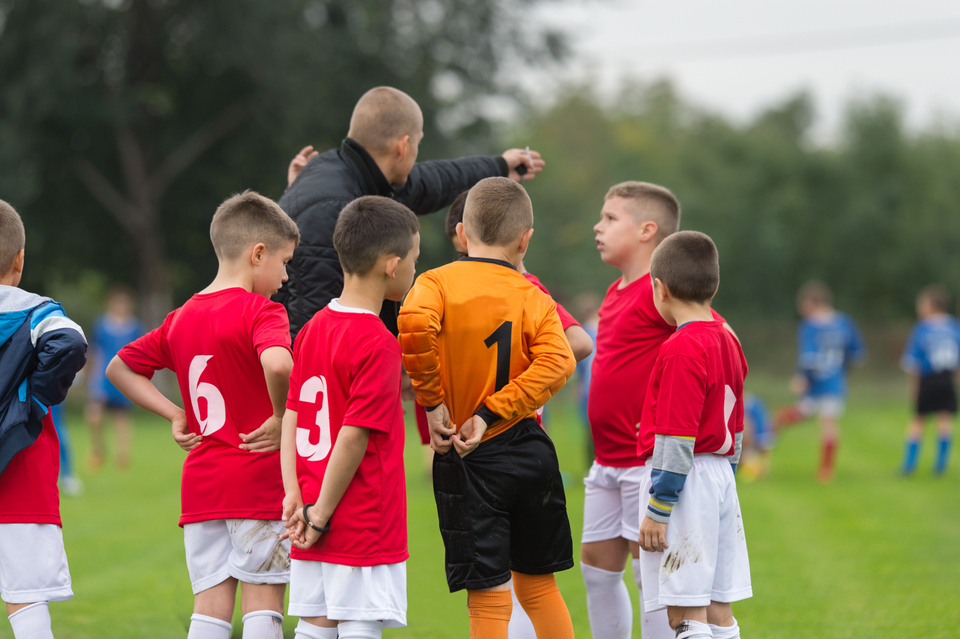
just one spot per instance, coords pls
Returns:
(502, 338)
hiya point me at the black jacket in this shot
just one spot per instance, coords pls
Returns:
(332, 180)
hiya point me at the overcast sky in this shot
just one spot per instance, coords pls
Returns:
(740, 56)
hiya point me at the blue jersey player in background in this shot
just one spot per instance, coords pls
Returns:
(828, 343)
(757, 439)
(931, 359)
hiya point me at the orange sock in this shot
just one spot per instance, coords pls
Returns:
(543, 603)
(490, 612)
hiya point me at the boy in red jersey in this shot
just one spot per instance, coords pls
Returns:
(230, 348)
(636, 217)
(696, 561)
(343, 437)
(41, 351)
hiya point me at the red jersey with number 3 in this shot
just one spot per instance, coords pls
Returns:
(346, 372)
(213, 343)
(696, 390)
(629, 337)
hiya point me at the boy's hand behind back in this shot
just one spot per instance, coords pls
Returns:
(181, 432)
(438, 422)
(264, 439)
(653, 535)
(467, 440)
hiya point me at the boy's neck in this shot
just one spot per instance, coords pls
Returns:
(230, 276)
(8, 280)
(637, 266)
(501, 253)
(366, 293)
(684, 313)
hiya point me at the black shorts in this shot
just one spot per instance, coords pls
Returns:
(937, 394)
(502, 508)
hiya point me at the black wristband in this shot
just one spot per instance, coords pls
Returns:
(307, 521)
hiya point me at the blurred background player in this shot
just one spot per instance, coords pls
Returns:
(112, 331)
(931, 359)
(70, 484)
(757, 439)
(828, 343)
(588, 307)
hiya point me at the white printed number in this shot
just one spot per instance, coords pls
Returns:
(313, 442)
(216, 409)
(729, 401)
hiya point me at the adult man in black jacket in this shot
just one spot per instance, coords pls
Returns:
(378, 157)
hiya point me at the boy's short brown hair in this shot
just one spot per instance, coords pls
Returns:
(369, 228)
(455, 214)
(650, 203)
(12, 236)
(248, 218)
(937, 295)
(497, 211)
(688, 264)
(815, 291)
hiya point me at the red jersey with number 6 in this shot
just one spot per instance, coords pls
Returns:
(346, 372)
(213, 343)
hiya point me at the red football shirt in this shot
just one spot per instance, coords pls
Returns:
(629, 337)
(346, 372)
(28, 485)
(696, 390)
(566, 319)
(213, 343)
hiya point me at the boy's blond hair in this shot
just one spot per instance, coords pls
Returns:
(248, 218)
(12, 236)
(497, 211)
(651, 203)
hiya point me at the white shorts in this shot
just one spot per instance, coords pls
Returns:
(830, 406)
(349, 593)
(249, 550)
(33, 564)
(611, 503)
(706, 558)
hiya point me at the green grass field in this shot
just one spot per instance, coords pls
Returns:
(871, 555)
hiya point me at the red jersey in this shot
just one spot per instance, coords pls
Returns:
(629, 337)
(213, 343)
(566, 319)
(28, 485)
(696, 390)
(346, 372)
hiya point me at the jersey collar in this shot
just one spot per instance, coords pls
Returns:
(335, 305)
(488, 261)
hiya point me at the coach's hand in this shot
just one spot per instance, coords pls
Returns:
(299, 161)
(264, 439)
(653, 535)
(467, 440)
(438, 422)
(516, 157)
(181, 432)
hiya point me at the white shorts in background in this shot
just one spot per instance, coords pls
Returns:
(706, 558)
(249, 550)
(822, 406)
(611, 503)
(33, 564)
(349, 593)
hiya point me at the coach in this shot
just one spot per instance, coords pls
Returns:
(378, 157)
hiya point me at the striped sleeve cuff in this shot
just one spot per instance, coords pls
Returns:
(671, 461)
(659, 511)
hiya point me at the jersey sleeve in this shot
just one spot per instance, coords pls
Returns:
(150, 353)
(717, 316)
(374, 389)
(856, 347)
(910, 361)
(552, 363)
(61, 348)
(293, 394)
(419, 324)
(271, 327)
(566, 319)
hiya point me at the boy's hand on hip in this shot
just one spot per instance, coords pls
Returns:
(438, 422)
(264, 439)
(181, 432)
(467, 440)
(653, 535)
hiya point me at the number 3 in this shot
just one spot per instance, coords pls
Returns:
(315, 451)
(216, 409)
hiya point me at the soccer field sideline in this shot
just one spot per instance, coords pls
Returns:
(827, 561)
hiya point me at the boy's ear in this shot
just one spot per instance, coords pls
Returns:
(660, 290)
(462, 236)
(391, 262)
(257, 253)
(17, 266)
(401, 147)
(648, 230)
(524, 241)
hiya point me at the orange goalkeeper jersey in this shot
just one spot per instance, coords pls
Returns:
(477, 333)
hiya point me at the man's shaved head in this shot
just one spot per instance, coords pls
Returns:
(382, 115)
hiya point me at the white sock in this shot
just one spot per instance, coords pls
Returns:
(608, 603)
(726, 632)
(693, 630)
(32, 622)
(653, 625)
(520, 625)
(361, 629)
(262, 624)
(309, 631)
(204, 627)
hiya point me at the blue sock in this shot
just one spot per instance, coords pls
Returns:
(910, 455)
(943, 452)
